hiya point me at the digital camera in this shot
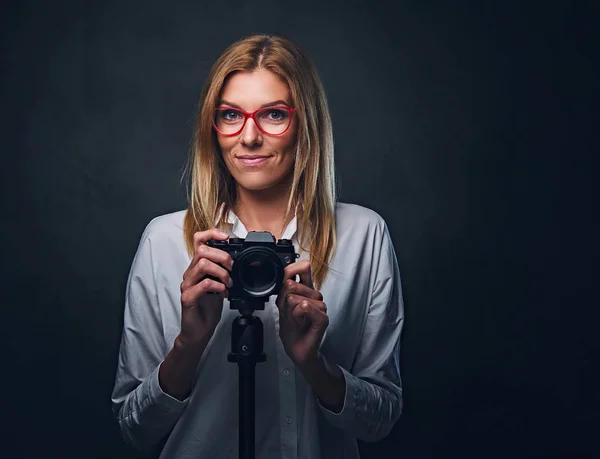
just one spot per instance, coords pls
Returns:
(258, 264)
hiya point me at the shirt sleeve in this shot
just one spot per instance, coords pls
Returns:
(145, 414)
(373, 399)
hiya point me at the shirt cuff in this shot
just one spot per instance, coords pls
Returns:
(348, 410)
(162, 399)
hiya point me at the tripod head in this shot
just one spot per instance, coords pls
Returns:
(247, 306)
(247, 333)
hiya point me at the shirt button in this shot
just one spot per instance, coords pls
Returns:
(288, 420)
(286, 372)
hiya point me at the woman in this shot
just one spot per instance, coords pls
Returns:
(262, 161)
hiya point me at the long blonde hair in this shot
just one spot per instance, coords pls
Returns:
(212, 189)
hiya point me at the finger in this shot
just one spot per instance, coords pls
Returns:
(212, 254)
(319, 305)
(295, 305)
(200, 247)
(299, 313)
(202, 237)
(193, 294)
(316, 317)
(204, 268)
(308, 313)
(288, 304)
(306, 277)
(296, 268)
(291, 286)
(215, 255)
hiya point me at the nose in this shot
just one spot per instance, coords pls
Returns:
(250, 134)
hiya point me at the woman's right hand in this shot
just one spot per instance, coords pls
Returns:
(202, 299)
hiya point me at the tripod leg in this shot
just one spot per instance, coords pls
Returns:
(246, 409)
(246, 351)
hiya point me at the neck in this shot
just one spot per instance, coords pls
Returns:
(264, 210)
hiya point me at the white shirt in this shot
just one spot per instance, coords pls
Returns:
(365, 308)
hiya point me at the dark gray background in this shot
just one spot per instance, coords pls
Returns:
(467, 127)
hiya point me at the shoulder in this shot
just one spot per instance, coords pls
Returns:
(166, 226)
(357, 217)
(162, 237)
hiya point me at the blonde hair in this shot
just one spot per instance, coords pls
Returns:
(212, 189)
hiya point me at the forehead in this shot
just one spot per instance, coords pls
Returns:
(250, 90)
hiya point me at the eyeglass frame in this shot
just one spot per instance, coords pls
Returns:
(290, 110)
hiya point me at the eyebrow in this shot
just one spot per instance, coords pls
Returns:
(268, 104)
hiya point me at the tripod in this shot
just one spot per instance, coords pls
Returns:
(247, 338)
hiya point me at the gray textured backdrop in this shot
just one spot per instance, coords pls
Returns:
(458, 123)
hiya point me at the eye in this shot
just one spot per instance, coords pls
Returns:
(274, 114)
(228, 114)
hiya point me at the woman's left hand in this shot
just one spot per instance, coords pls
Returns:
(302, 315)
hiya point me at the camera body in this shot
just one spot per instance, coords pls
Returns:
(259, 261)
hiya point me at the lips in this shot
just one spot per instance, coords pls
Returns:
(252, 160)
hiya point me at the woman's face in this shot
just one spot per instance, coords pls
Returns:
(250, 91)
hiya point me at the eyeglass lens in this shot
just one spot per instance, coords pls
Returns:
(271, 120)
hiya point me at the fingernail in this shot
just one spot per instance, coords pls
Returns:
(221, 233)
(230, 283)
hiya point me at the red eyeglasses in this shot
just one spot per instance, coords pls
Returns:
(273, 121)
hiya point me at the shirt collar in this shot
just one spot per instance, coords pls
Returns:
(239, 230)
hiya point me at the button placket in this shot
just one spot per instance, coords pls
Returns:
(287, 393)
(287, 400)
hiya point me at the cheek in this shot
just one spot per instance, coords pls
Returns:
(286, 150)
(287, 143)
(226, 146)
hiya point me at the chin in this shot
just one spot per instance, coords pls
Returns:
(256, 185)
(260, 181)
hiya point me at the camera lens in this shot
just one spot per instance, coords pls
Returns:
(258, 273)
